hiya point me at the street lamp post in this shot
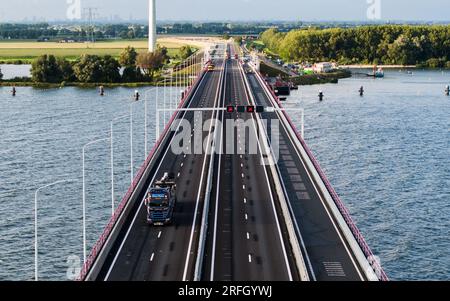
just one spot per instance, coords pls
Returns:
(36, 265)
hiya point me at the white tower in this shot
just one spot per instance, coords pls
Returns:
(152, 26)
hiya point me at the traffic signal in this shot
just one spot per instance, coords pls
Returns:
(250, 109)
(230, 109)
(259, 109)
(241, 109)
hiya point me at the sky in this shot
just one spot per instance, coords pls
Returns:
(233, 10)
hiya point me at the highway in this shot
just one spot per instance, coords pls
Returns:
(243, 228)
(246, 237)
(147, 253)
(327, 254)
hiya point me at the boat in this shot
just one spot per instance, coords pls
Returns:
(281, 87)
(377, 72)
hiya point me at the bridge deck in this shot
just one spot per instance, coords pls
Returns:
(327, 253)
(247, 237)
(246, 240)
(146, 253)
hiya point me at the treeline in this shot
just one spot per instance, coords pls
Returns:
(384, 44)
(136, 67)
(80, 32)
(43, 31)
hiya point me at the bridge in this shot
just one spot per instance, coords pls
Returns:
(267, 214)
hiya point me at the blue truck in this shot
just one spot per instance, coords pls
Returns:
(160, 201)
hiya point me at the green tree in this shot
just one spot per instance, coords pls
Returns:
(150, 62)
(185, 52)
(164, 53)
(88, 69)
(389, 44)
(128, 57)
(66, 70)
(132, 74)
(110, 70)
(45, 69)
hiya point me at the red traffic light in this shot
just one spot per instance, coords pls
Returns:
(230, 109)
(250, 109)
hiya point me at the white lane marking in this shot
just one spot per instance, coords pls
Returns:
(246, 217)
(216, 213)
(323, 204)
(178, 174)
(151, 258)
(182, 164)
(188, 253)
(243, 176)
(243, 187)
(153, 179)
(270, 190)
(245, 201)
(248, 236)
(159, 234)
(242, 165)
(250, 258)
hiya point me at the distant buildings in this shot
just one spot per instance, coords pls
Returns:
(322, 67)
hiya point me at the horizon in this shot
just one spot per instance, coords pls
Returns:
(230, 11)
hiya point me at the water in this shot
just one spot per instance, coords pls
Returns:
(387, 154)
(42, 135)
(12, 71)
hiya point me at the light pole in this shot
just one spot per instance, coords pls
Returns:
(84, 194)
(36, 266)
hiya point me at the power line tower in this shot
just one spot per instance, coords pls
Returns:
(90, 14)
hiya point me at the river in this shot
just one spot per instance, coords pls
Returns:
(387, 154)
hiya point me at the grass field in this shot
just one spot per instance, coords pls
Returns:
(26, 51)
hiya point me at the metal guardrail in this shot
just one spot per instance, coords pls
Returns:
(112, 222)
(342, 208)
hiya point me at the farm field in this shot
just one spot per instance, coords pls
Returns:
(26, 51)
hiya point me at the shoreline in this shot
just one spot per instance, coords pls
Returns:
(366, 66)
(79, 85)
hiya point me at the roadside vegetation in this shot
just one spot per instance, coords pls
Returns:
(425, 46)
